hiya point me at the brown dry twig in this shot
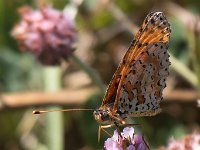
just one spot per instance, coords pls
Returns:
(188, 18)
(74, 97)
(69, 97)
(122, 18)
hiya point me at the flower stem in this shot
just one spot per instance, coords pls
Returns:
(183, 71)
(54, 121)
(197, 56)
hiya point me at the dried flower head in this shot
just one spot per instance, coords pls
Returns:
(127, 141)
(188, 142)
(46, 32)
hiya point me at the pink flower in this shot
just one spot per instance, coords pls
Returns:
(128, 140)
(46, 32)
(188, 142)
(47, 26)
(33, 40)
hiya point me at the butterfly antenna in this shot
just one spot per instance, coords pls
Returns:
(62, 110)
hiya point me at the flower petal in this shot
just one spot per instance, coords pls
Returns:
(131, 147)
(128, 132)
(142, 146)
(110, 144)
(116, 136)
(137, 140)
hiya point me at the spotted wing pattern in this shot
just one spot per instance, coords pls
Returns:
(136, 87)
(142, 87)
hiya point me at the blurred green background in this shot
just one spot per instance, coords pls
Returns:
(105, 29)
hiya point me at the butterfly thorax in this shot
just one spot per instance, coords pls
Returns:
(106, 116)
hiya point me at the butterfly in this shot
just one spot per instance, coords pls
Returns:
(137, 85)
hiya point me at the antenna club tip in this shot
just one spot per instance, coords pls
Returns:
(123, 122)
(36, 112)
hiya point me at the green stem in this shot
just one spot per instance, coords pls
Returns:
(183, 71)
(197, 56)
(54, 121)
(194, 47)
(90, 72)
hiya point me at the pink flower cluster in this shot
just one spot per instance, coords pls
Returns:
(127, 141)
(188, 142)
(46, 32)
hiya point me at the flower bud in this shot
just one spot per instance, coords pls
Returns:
(46, 32)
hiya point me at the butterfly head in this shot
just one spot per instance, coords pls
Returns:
(101, 116)
(105, 116)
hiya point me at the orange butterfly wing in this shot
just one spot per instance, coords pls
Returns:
(154, 29)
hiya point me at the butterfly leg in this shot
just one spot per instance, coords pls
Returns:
(116, 125)
(103, 129)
